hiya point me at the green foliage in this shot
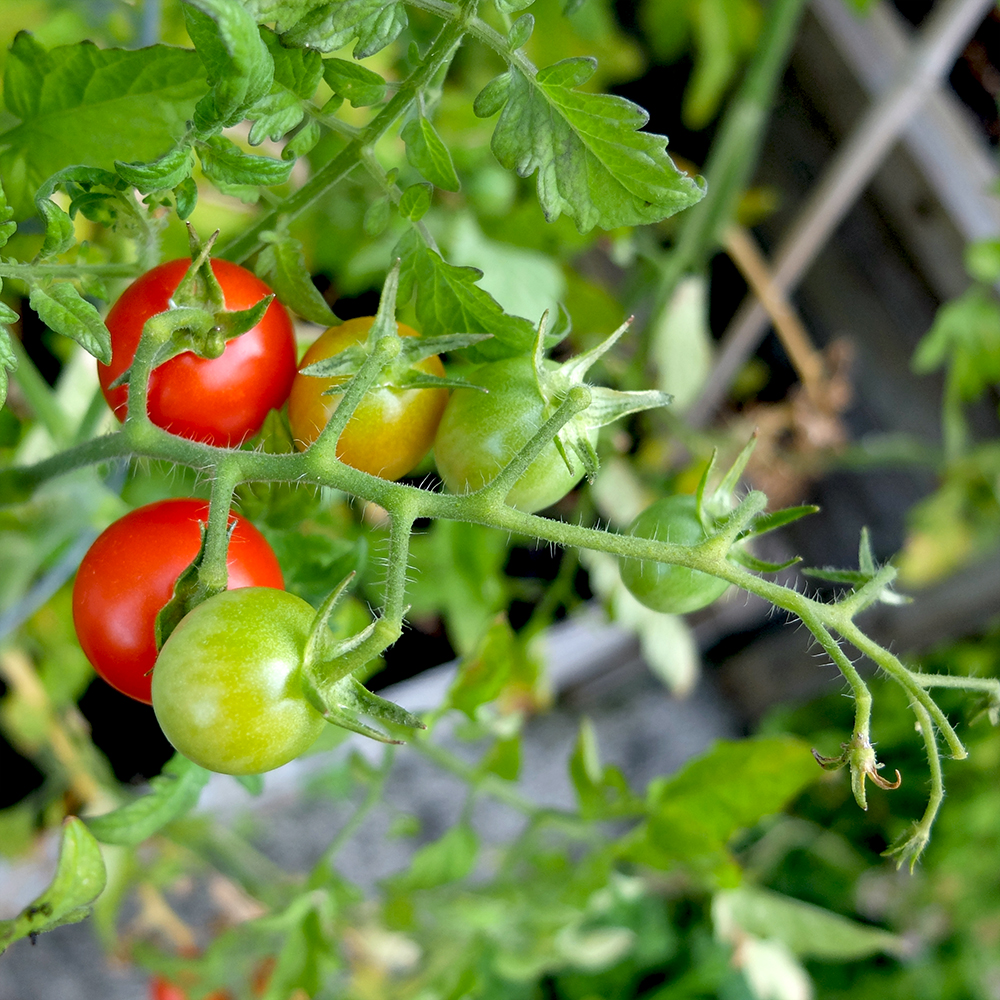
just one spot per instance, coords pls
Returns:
(78, 881)
(172, 794)
(116, 105)
(694, 886)
(592, 162)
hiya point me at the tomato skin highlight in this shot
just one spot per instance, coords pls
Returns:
(663, 586)
(227, 688)
(480, 432)
(390, 431)
(218, 401)
(129, 573)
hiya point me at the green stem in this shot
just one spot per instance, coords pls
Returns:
(213, 575)
(438, 57)
(371, 800)
(907, 680)
(988, 684)
(502, 791)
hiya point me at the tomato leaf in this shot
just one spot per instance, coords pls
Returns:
(172, 793)
(602, 792)
(186, 196)
(448, 859)
(426, 152)
(79, 879)
(357, 84)
(59, 232)
(415, 201)
(297, 73)
(592, 161)
(239, 66)
(331, 26)
(282, 265)
(116, 104)
(808, 930)
(61, 308)
(234, 172)
(448, 299)
(695, 813)
(520, 31)
(8, 359)
(168, 171)
(7, 226)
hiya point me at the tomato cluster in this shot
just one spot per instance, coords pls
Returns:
(227, 687)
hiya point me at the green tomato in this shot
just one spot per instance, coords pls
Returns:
(480, 432)
(227, 685)
(663, 586)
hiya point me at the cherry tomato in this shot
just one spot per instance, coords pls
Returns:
(480, 432)
(663, 586)
(219, 401)
(129, 572)
(227, 688)
(163, 989)
(390, 431)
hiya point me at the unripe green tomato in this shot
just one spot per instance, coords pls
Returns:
(227, 685)
(480, 432)
(663, 586)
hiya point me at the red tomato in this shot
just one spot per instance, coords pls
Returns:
(390, 431)
(220, 400)
(162, 989)
(129, 572)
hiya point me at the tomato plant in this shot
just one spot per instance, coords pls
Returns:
(480, 432)
(222, 400)
(663, 586)
(227, 688)
(392, 428)
(129, 572)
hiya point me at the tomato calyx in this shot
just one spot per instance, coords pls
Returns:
(606, 405)
(189, 591)
(328, 680)
(859, 754)
(196, 320)
(397, 372)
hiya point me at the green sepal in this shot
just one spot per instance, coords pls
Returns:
(172, 793)
(188, 593)
(423, 380)
(345, 362)
(343, 702)
(79, 879)
(751, 562)
(609, 405)
(233, 322)
(414, 349)
(778, 519)
(179, 330)
(168, 171)
(853, 577)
